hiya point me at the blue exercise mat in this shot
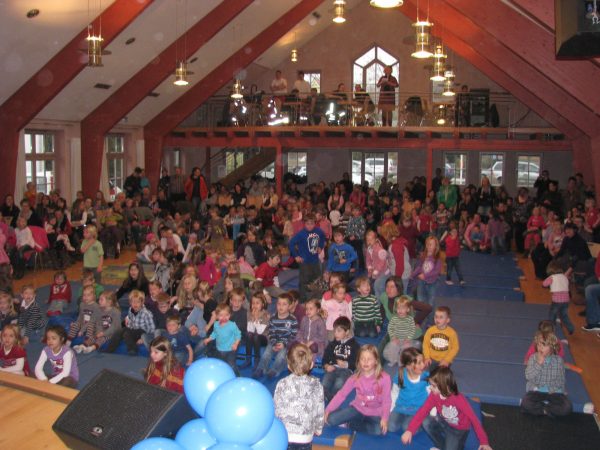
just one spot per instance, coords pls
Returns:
(504, 350)
(132, 366)
(504, 384)
(484, 293)
(330, 434)
(481, 307)
(489, 265)
(289, 279)
(420, 441)
(494, 326)
(484, 281)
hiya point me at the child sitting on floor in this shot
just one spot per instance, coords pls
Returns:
(60, 295)
(13, 357)
(365, 310)
(440, 344)
(163, 368)
(370, 410)
(455, 417)
(138, 322)
(302, 415)
(64, 370)
(312, 332)
(335, 307)
(88, 313)
(403, 331)
(545, 375)
(106, 322)
(545, 326)
(30, 317)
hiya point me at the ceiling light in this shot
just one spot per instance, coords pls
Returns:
(386, 3)
(438, 70)
(339, 7)
(422, 30)
(32, 13)
(236, 92)
(294, 55)
(181, 74)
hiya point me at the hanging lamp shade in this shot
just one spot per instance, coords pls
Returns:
(294, 55)
(440, 115)
(339, 10)
(181, 74)
(422, 30)
(386, 3)
(94, 50)
(449, 88)
(438, 70)
(439, 52)
(237, 89)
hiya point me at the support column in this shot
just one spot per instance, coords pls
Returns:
(429, 166)
(582, 158)
(279, 169)
(595, 153)
(208, 167)
(153, 146)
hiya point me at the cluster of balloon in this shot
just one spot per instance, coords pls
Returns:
(237, 413)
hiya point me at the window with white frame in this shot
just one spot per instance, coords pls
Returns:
(372, 167)
(233, 160)
(455, 168)
(268, 172)
(40, 166)
(115, 161)
(296, 163)
(491, 165)
(368, 69)
(528, 170)
(314, 79)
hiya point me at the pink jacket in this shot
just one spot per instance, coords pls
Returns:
(334, 310)
(376, 260)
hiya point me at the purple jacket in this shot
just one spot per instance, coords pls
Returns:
(430, 267)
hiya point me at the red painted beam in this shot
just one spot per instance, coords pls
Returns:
(177, 111)
(534, 44)
(514, 66)
(107, 115)
(41, 88)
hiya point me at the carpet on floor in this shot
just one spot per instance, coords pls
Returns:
(509, 429)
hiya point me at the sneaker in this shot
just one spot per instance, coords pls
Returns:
(588, 408)
(449, 282)
(89, 349)
(463, 282)
(591, 327)
(78, 348)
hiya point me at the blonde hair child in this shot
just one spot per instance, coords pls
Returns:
(13, 357)
(402, 330)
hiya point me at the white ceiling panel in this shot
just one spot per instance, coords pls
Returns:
(153, 30)
(26, 45)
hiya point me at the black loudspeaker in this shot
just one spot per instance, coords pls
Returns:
(577, 25)
(115, 411)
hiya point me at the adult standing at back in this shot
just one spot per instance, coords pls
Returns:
(387, 85)
(132, 185)
(302, 86)
(176, 186)
(195, 189)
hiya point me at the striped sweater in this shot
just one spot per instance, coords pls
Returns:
(282, 330)
(366, 309)
(30, 318)
(403, 328)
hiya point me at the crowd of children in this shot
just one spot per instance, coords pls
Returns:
(361, 267)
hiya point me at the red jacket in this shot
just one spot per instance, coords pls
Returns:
(189, 188)
(452, 247)
(398, 246)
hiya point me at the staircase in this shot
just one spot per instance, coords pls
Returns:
(252, 166)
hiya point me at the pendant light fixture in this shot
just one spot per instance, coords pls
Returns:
(94, 40)
(449, 83)
(236, 92)
(386, 3)
(181, 73)
(339, 7)
(440, 62)
(423, 36)
(181, 70)
(294, 54)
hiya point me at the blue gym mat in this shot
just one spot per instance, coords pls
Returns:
(504, 384)
(489, 265)
(494, 326)
(481, 307)
(484, 293)
(484, 281)
(420, 441)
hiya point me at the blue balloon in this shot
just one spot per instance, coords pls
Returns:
(229, 446)
(157, 443)
(240, 411)
(275, 439)
(194, 435)
(203, 378)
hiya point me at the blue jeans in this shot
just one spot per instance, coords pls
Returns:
(592, 309)
(453, 263)
(444, 436)
(561, 310)
(229, 357)
(498, 245)
(425, 294)
(356, 420)
(333, 381)
(279, 364)
(399, 421)
(379, 285)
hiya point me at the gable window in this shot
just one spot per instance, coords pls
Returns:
(368, 68)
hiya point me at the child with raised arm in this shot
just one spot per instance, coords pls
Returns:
(545, 375)
(227, 336)
(283, 327)
(370, 410)
(440, 343)
(455, 417)
(339, 359)
(299, 401)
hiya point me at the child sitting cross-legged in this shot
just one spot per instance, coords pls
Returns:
(545, 375)
(339, 359)
(88, 313)
(454, 419)
(365, 310)
(180, 341)
(370, 410)
(138, 322)
(440, 343)
(335, 307)
(403, 331)
(283, 327)
(298, 398)
(312, 330)
(13, 357)
(105, 323)
(60, 294)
